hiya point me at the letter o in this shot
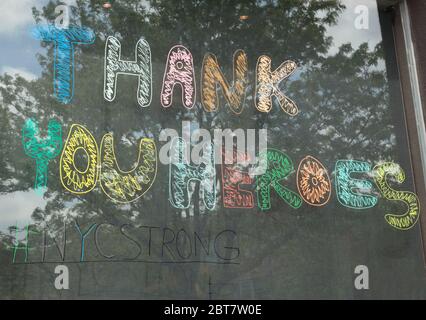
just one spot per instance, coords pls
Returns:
(73, 179)
(313, 182)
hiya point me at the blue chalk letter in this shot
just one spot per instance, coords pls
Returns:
(181, 173)
(64, 39)
(351, 192)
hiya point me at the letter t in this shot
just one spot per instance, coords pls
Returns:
(64, 40)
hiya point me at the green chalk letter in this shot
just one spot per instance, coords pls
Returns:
(279, 166)
(42, 149)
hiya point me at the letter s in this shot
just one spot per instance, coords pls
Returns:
(409, 218)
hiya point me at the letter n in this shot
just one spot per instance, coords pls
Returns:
(211, 75)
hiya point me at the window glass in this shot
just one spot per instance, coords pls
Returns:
(97, 97)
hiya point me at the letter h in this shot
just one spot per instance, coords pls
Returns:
(181, 173)
(141, 68)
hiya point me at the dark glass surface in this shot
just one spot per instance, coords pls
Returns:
(348, 109)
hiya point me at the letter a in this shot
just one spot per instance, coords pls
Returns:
(179, 70)
(361, 281)
(62, 280)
